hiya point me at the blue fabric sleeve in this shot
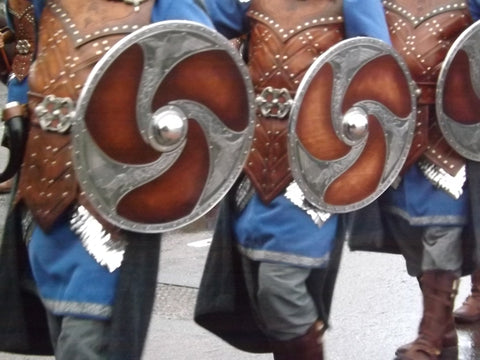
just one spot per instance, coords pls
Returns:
(474, 9)
(179, 10)
(229, 16)
(365, 18)
(17, 91)
(38, 5)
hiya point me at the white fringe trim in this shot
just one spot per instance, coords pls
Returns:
(452, 185)
(98, 242)
(296, 196)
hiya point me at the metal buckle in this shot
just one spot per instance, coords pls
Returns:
(134, 2)
(55, 113)
(23, 47)
(274, 102)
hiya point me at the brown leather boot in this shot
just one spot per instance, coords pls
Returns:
(469, 312)
(450, 338)
(306, 347)
(439, 289)
(449, 341)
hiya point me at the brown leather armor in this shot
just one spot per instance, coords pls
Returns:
(73, 36)
(23, 19)
(422, 31)
(7, 48)
(283, 45)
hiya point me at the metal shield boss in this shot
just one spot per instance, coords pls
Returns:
(163, 126)
(457, 95)
(352, 124)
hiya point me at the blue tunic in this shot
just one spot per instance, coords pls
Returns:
(474, 9)
(422, 204)
(69, 280)
(280, 231)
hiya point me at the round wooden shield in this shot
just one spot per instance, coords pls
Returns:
(352, 124)
(163, 126)
(458, 94)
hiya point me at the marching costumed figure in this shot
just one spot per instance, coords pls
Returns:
(272, 265)
(428, 215)
(469, 312)
(429, 211)
(96, 281)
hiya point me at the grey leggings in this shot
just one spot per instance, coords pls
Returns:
(77, 338)
(286, 307)
(427, 247)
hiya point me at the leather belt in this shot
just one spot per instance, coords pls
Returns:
(14, 109)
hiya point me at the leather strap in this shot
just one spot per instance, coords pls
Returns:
(22, 13)
(14, 109)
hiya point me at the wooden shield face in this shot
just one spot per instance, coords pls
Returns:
(352, 124)
(163, 126)
(458, 91)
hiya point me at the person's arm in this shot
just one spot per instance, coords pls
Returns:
(474, 6)
(180, 10)
(229, 16)
(365, 18)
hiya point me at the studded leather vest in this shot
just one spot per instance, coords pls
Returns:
(286, 37)
(21, 12)
(73, 35)
(422, 31)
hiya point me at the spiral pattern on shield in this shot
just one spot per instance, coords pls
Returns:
(353, 125)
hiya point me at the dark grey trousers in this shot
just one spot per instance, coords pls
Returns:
(427, 247)
(282, 302)
(286, 306)
(78, 339)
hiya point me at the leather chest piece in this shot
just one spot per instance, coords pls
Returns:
(283, 45)
(422, 31)
(73, 36)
